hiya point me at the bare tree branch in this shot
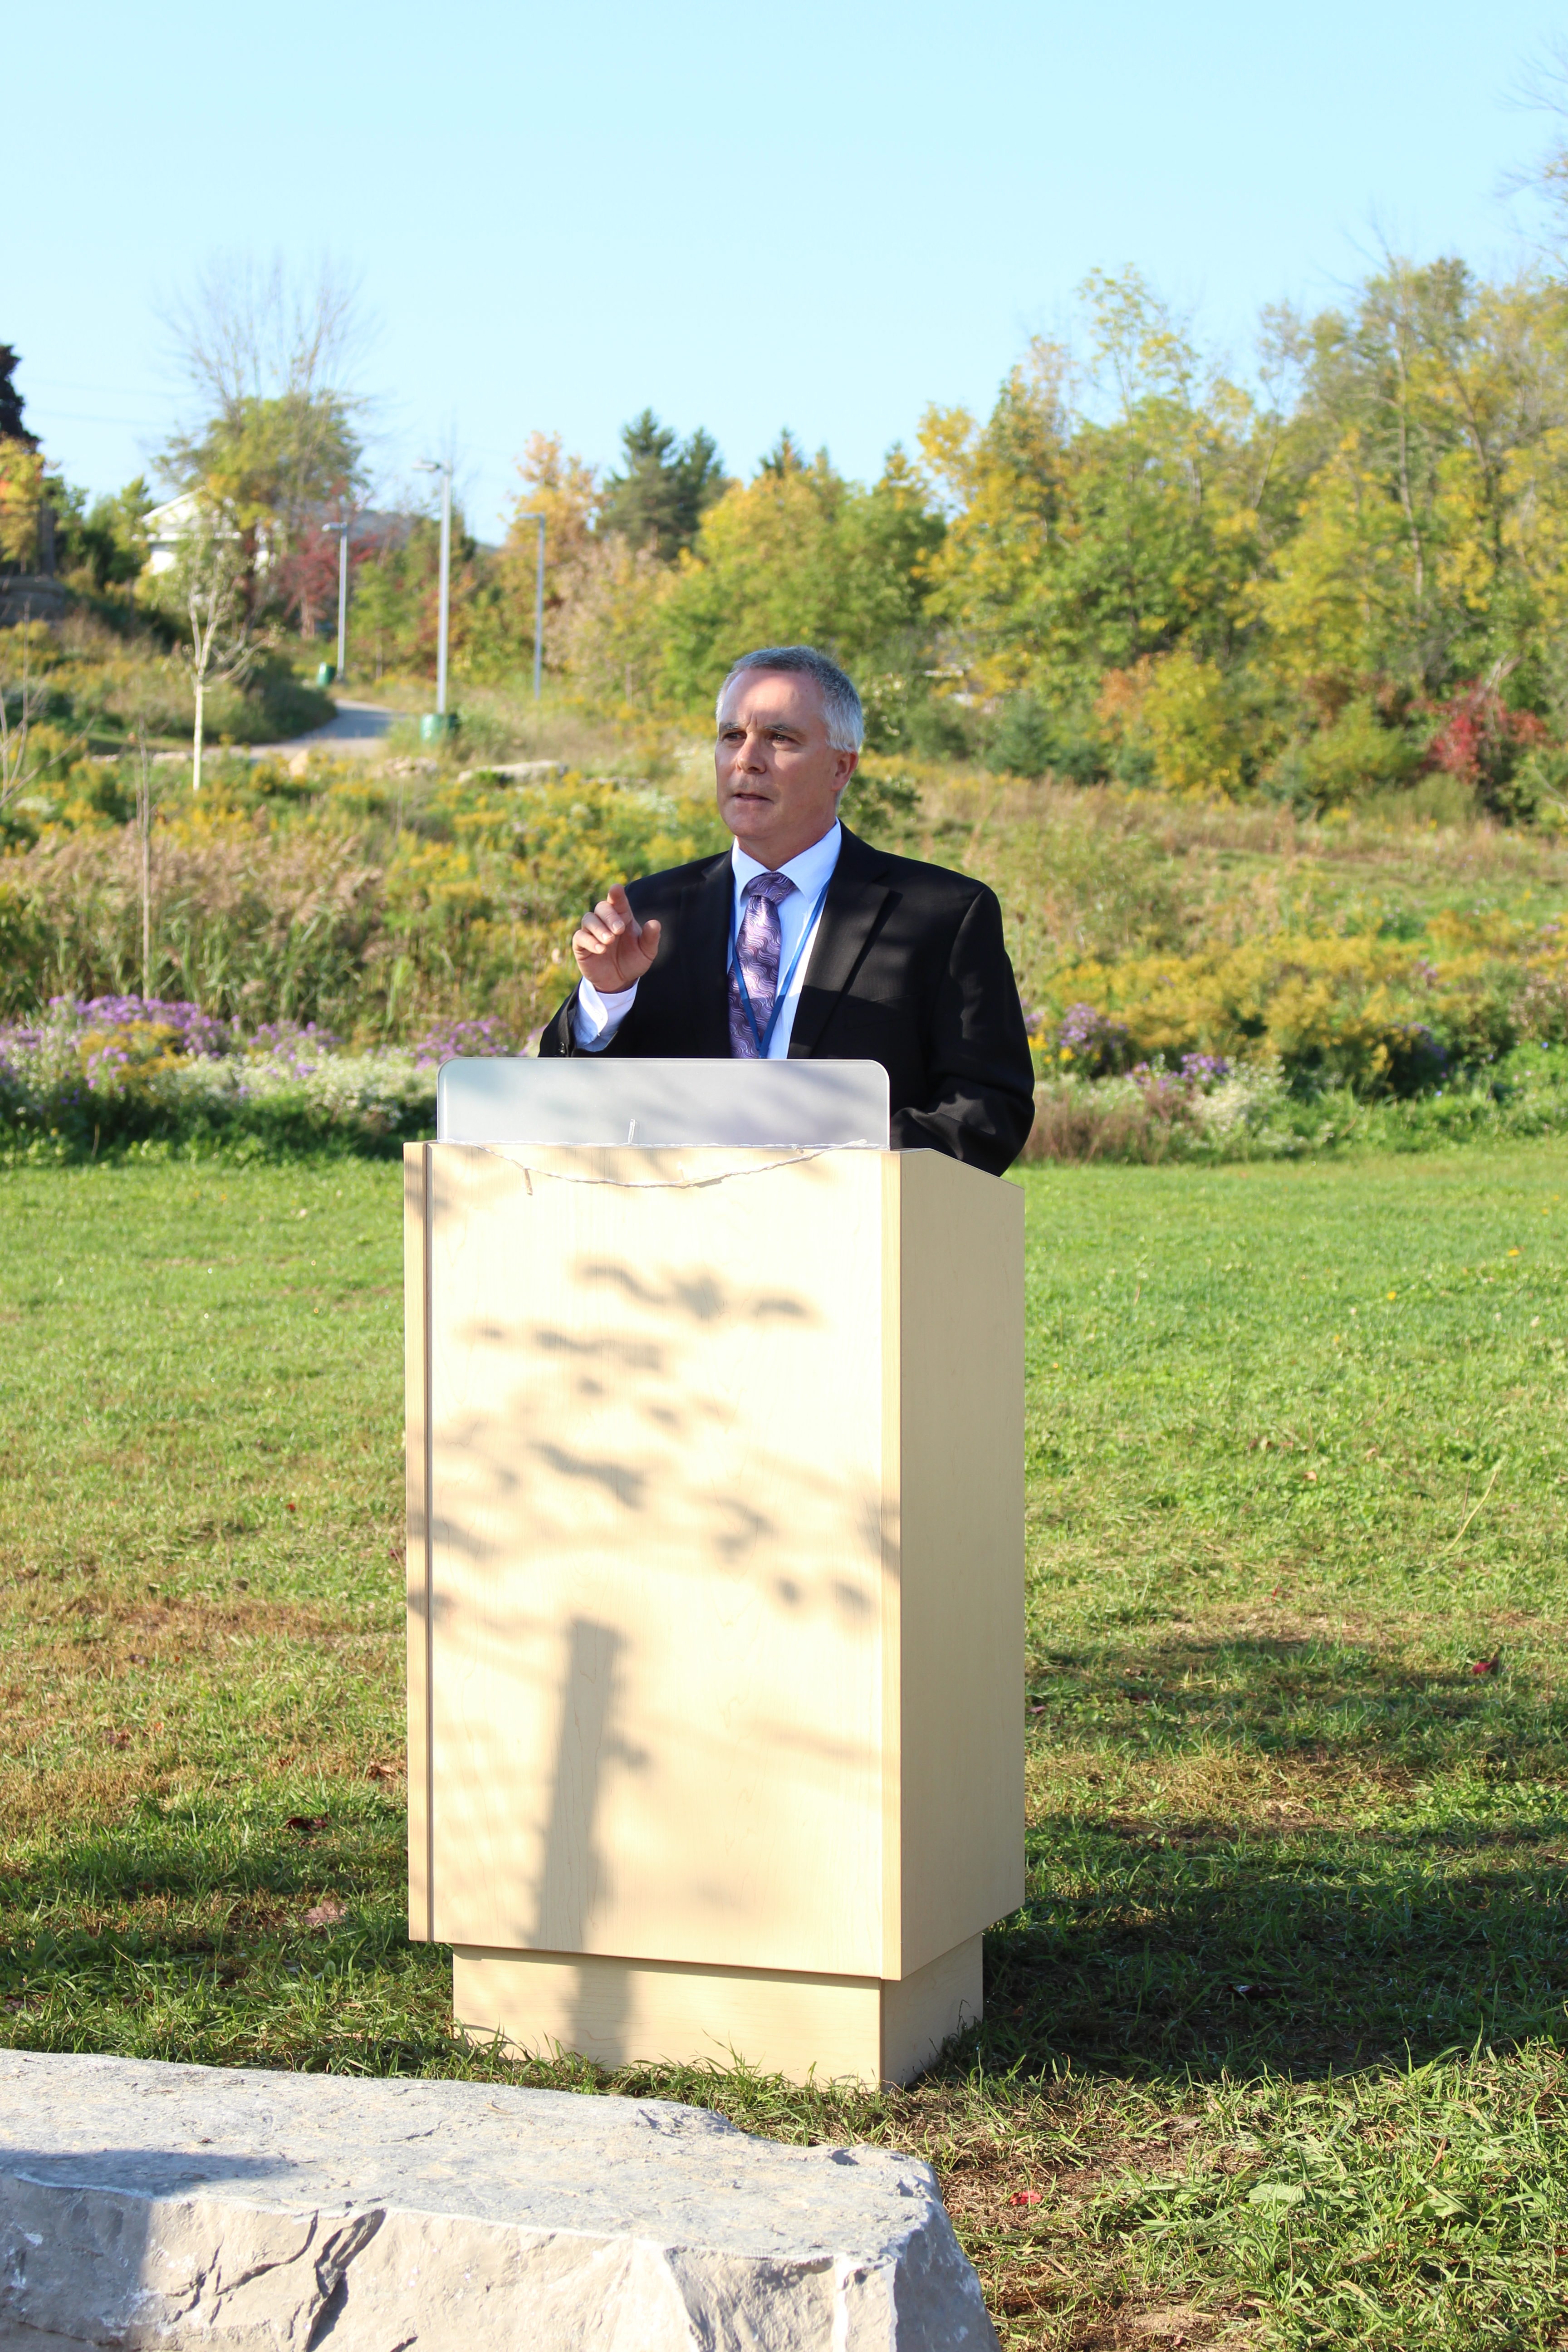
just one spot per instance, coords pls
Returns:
(1542, 87)
(246, 331)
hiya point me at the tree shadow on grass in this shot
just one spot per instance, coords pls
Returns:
(183, 1854)
(222, 1933)
(1171, 1924)
(1430, 1911)
(1302, 1696)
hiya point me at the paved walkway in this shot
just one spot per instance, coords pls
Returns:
(359, 727)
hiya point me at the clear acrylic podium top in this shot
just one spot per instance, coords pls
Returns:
(663, 1104)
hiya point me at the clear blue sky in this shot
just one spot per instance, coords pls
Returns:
(822, 215)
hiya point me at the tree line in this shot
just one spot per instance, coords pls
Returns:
(1344, 576)
(1331, 576)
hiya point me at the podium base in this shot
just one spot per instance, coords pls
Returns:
(628, 2012)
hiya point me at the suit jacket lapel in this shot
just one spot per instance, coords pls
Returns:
(856, 896)
(703, 949)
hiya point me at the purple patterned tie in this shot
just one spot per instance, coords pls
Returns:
(757, 954)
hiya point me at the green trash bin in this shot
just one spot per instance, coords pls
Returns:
(326, 674)
(437, 726)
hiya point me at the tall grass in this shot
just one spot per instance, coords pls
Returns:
(1386, 959)
(372, 902)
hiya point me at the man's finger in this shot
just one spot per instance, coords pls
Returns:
(610, 935)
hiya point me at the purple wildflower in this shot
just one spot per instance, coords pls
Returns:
(199, 1034)
(1092, 1039)
(452, 1035)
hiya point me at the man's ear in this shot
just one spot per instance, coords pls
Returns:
(854, 761)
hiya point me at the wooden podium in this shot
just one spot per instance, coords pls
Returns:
(715, 1597)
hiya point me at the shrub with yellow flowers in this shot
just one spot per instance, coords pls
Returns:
(1382, 1016)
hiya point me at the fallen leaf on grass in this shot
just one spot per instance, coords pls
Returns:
(307, 1824)
(1487, 1665)
(382, 1771)
(327, 1913)
(1025, 2196)
(117, 1739)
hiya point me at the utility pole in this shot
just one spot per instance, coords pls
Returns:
(429, 466)
(539, 611)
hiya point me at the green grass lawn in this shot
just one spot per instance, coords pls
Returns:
(1273, 2054)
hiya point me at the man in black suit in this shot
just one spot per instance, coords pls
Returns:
(802, 940)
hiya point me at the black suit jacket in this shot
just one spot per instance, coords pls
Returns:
(909, 968)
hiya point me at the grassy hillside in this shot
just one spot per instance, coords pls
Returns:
(1203, 979)
(108, 678)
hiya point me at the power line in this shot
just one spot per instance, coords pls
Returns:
(77, 417)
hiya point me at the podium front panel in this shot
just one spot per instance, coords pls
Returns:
(655, 1555)
(716, 1594)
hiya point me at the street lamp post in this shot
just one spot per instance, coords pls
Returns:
(429, 466)
(343, 530)
(342, 598)
(537, 608)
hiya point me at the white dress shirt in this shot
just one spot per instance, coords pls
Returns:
(596, 1018)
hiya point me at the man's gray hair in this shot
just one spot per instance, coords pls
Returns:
(840, 703)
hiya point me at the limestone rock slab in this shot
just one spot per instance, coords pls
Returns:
(145, 2205)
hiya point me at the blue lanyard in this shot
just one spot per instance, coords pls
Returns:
(764, 1036)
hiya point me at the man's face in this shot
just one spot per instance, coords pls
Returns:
(779, 777)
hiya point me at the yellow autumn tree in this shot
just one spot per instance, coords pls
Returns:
(566, 490)
(1180, 725)
(21, 502)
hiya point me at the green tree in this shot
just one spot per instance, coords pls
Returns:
(270, 364)
(395, 614)
(800, 555)
(269, 464)
(1083, 543)
(657, 500)
(1431, 436)
(110, 537)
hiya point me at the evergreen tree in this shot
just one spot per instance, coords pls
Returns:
(665, 487)
(11, 425)
(786, 456)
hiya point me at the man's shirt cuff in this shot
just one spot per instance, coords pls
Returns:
(596, 1018)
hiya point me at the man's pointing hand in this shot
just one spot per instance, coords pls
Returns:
(612, 947)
